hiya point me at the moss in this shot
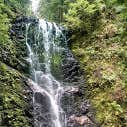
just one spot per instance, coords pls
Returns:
(13, 99)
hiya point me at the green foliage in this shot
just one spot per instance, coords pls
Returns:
(13, 102)
(18, 6)
(55, 64)
(4, 23)
(102, 55)
(52, 10)
(83, 15)
(8, 10)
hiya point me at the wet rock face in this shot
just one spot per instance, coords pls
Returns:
(17, 60)
(78, 110)
(42, 111)
(71, 69)
(43, 100)
(17, 34)
(24, 19)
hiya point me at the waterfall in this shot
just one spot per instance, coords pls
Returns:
(35, 5)
(47, 90)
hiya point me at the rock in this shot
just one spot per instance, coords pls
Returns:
(74, 95)
(73, 90)
(85, 107)
(82, 120)
(12, 32)
(25, 19)
(71, 68)
(29, 82)
(42, 99)
(20, 37)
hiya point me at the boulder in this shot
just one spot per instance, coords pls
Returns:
(81, 120)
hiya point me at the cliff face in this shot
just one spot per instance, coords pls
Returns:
(78, 110)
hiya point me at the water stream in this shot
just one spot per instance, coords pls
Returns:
(47, 90)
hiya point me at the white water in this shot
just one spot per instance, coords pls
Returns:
(35, 6)
(44, 82)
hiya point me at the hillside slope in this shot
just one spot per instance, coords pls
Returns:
(99, 41)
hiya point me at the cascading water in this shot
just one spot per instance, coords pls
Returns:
(47, 90)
